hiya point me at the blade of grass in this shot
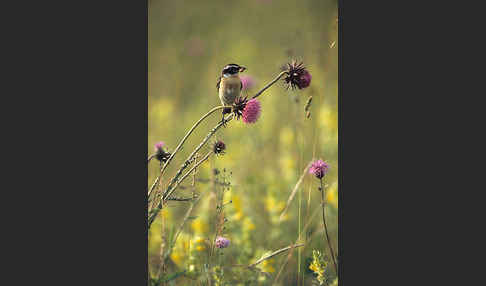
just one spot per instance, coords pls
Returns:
(294, 191)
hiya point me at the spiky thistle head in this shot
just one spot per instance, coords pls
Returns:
(160, 153)
(297, 76)
(319, 168)
(219, 147)
(239, 105)
(252, 111)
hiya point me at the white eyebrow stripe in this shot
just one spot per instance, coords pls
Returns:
(231, 66)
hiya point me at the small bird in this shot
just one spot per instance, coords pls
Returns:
(229, 85)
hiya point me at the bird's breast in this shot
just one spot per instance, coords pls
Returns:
(231, 83)
(229, 90)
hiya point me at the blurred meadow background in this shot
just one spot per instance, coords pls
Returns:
(189, 44)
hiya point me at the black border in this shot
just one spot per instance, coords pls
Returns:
(78, 88)
(340, 144)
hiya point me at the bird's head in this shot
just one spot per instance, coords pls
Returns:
(232, 70)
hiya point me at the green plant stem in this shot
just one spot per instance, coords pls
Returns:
(157, 180)
(325, 227)
(187, 174)
(190, 158)
(156, 211)
(186, 217)
(270, 84)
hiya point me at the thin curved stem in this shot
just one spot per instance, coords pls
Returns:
(154, 214)
(157, 180)
(325, 228)
(151, 157)
(187, 174)
(270, 84)
(191, 157)
(275, 253)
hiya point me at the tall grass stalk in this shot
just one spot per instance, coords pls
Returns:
(325, 226)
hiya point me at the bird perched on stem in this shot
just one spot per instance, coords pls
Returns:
(229, 85)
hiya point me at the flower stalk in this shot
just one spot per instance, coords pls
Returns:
(165, 198)
(157, 180)
(270, 84)
(325, 226)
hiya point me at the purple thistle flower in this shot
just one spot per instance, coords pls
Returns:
(297, 76)
(160, 154)
(239, 105)
(252, 111)
(305, 79)
(319, 168)
(247, 81)
(219, 147)
(222, 242)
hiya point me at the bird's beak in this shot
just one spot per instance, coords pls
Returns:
(242, 69)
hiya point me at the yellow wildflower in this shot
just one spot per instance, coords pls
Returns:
(181, 250)
(248, 224)
(198, 244)
(199, 226)
(267, 265)
(332, 195)
(274, 206)
(318, 265)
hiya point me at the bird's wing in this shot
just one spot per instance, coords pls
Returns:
(217, 84)
(241, 85)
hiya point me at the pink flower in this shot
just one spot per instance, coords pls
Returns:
(319, 168)
(247, 81)
(160, 154)
(159, 145)
(252, 111)
(222, 242)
